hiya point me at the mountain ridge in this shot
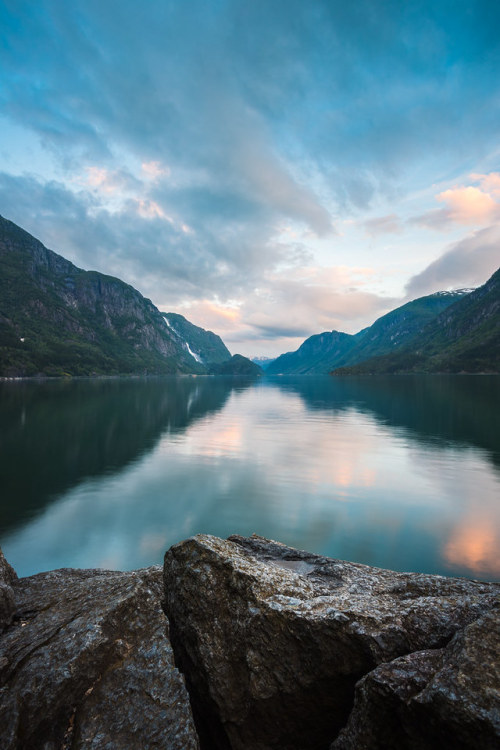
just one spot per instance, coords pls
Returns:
(321, 353)
(205, 346)
(465, 337)
(57, 319)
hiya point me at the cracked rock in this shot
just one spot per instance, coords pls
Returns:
(86, 663)
(7, 604)
(273, 640)
(447, 699)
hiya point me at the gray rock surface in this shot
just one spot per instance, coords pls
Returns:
(448, 698)
(273, 640)
(87, 663)
(7, 573)
(7, 605)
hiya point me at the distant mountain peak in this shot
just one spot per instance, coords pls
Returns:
(454, 292)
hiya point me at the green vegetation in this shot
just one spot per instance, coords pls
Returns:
(321, 353)
(315, 355)
(463, 338)
(56, 319)
(238, 366)
(206, 345)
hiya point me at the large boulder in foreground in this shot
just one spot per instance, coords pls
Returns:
(446, 698)
(273, 640)
(86, 663)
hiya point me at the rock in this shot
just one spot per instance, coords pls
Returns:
(447, 699)
(87, 664)
(375, 721)
(273, 640)
(7, 573)
(7, 605)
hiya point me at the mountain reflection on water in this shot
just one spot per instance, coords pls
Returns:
(57, 433)
(401, 472)
(433, 408)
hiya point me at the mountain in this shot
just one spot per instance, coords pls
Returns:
(206, 347)
(237, 365)
(465, 337)
(57, 319)
(316, 355)
(263, 362)
(321, 353)
(399, 326)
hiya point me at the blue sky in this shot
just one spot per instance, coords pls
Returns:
(269, 169)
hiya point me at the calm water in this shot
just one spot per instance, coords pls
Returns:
(400, 472)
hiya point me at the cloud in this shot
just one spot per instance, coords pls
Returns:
(383, 225)
(467, 263)
(179, 138)
(153, 170)
(106, 181)
(437, 218)
(179, 103)
(467, 205)
(257, 94)
(311, 306)
(159, 253)
(291, 305)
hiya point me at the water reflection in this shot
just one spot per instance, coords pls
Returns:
(435, 408)
(55, 434)
(473, 544)
(401, 473)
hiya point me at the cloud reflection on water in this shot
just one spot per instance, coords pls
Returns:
(333, 468)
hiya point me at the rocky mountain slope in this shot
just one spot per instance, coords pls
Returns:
(465, 337)
(258, 645)
(57, 319)
(323, 352)
(314, 355)
(206, 347)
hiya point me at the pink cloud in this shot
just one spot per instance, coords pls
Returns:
(490, 183)
(291, 305)
(151, 210)
(98, 177)
(153, 170)
(471, 205)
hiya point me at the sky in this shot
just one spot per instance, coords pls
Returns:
(270, 169)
